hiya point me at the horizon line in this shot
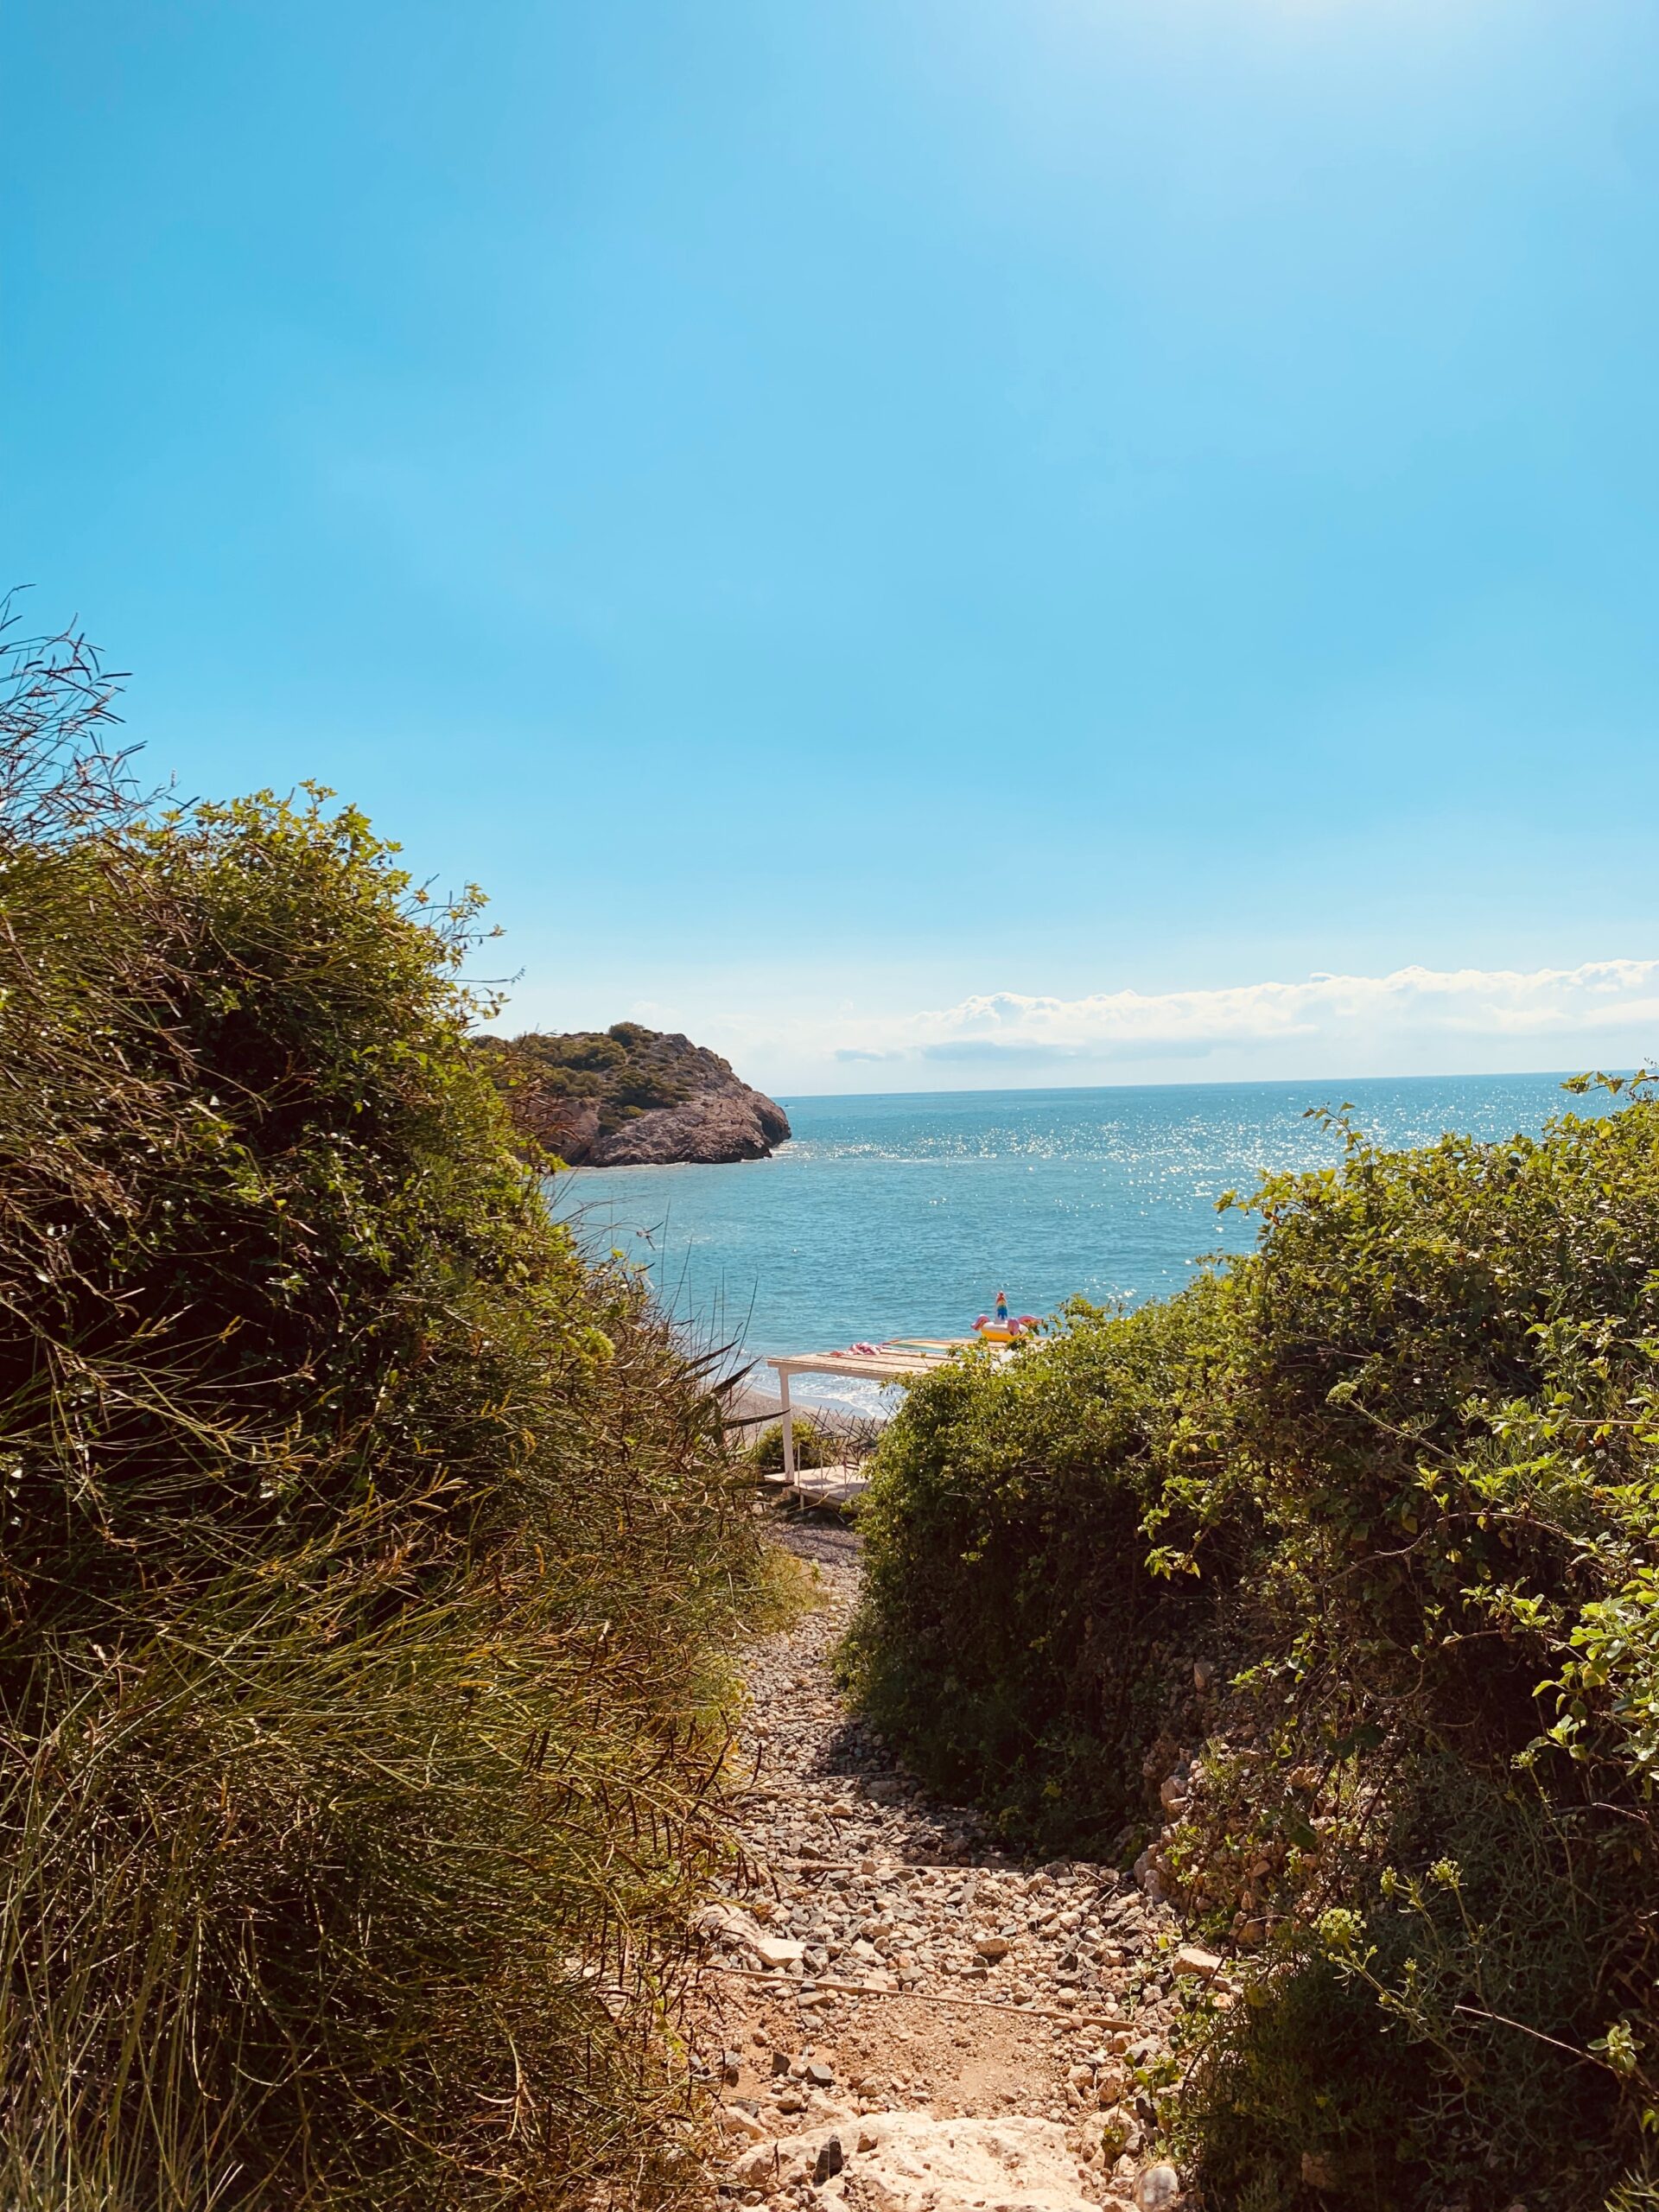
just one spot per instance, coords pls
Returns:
(1228, 1083)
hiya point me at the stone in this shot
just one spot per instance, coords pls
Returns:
(820, 2076)
(1156, 2188)
(908, 2163)
(777, 1950)
(1189, 1960)
(1147, 1875)
(992, 1947)
(1118, 2129)
(829, 2162)
(790, 2159)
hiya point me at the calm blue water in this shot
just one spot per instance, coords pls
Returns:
(903, 1216)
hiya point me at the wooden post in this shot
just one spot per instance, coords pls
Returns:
(788, 1427)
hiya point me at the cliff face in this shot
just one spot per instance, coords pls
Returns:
(722, 1119)
(630, 1097)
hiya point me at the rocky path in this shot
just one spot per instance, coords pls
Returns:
(904, 2018)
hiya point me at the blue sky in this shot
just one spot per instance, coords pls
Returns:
(921, 540)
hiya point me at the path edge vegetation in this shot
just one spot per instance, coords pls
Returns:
(1332, 1585)
(373, 1562)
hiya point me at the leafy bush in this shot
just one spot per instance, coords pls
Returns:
(368, 1561)
(815, 1445)
(1393, 1477)
(1010, 1635)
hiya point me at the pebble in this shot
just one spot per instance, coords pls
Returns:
(829, 2162)
(1191, 1959)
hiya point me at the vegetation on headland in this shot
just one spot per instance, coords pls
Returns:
(370, 1561)
(1335, 1579)
(622, 1071)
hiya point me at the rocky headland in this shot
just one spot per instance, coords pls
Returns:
(628, 1097)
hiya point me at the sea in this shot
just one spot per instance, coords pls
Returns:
(905, 1215)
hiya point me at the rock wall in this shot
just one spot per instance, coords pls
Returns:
(724, 1119)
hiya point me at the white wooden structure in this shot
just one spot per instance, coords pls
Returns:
(900, 1359)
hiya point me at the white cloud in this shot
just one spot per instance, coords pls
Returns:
(808, 1036)
(1473, 1003)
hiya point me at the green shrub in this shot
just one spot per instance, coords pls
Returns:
(368, 1562)
(1010, 1635)
(1397, 1473)
(622, 1071)
(815, 1445)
